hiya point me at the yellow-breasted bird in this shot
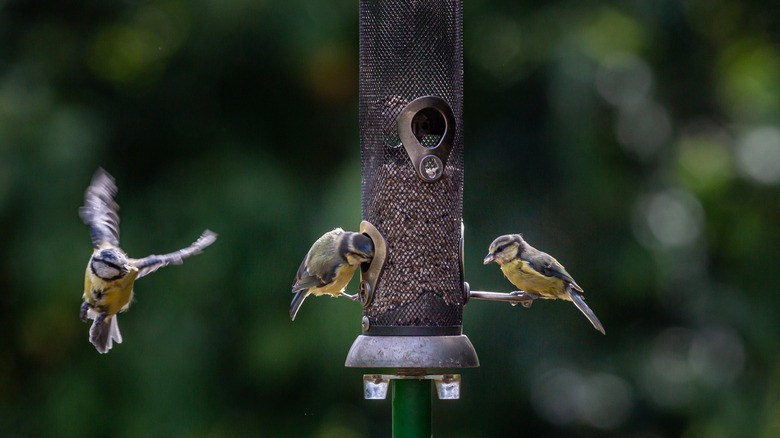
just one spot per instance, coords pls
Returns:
(108, 282)
(329, 265)
(537, 273)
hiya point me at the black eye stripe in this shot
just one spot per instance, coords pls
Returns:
(119, 270)
(107, 263)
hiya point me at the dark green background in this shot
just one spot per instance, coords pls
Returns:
(637, 141)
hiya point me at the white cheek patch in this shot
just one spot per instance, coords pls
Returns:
(105, 270)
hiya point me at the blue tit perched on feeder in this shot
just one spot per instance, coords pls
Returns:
(110, 275)
(329, 266)
(538, 273)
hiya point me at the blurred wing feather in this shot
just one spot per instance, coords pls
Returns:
(100, 212)
(151, 263)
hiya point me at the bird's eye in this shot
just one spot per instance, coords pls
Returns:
(501, 248)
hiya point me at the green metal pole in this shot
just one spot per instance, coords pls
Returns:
(411, 408)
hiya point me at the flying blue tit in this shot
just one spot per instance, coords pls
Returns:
(329, 265)
(537, 273)
(108, 282)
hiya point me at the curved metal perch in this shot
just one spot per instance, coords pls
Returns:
(513, 298)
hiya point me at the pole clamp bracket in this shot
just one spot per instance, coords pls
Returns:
(375, 385)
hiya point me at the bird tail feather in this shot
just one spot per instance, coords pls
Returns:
(104, 335)
(297, 300)
(580, 303)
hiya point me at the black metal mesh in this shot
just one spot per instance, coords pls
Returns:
(410, 49)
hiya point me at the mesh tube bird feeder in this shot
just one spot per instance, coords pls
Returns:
(411, 143)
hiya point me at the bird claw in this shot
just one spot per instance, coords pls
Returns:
(351, 297)
(529, 295)
(84, 309)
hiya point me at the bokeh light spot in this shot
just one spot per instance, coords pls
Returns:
(668, 376)
(643, 130)
(502, 52)
(748, 79)
(671, 218)
(607, 403)
(758, 155)
(137, 51)
(610, 31)
(332, 74)
(704, 158)
(624, 79)
(563, 396)
(717, 355)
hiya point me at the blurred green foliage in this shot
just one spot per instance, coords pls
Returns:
(637, 141)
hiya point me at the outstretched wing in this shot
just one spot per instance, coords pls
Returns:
(100, 212)
(151, 263)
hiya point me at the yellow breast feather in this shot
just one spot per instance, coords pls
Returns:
(110, 297)
(522, 275)
(344, 273)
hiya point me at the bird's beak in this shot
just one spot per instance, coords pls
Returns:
(489, 258)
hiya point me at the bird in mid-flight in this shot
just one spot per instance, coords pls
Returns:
(329, 265)
(537, 273)
(110, 275)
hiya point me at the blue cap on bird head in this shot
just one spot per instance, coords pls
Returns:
(363, 245)
(108, 255)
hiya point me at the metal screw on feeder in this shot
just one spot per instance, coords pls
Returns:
(432, 167)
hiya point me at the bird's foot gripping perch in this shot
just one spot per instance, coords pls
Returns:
(353, 297)
(527, 297)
